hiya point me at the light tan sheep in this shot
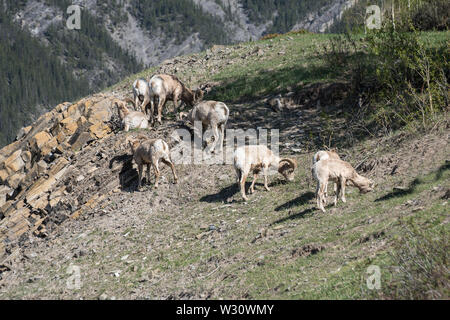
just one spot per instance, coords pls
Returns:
(150, 152)
(340, 172)
(256, 158)
(211, 114)
(141, 92)
(131, 119)
(323, 155)
(164, 87)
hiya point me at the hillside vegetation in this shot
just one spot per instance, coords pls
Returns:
(119, 38)
(198, 239)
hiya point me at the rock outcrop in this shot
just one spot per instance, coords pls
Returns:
(34, 168)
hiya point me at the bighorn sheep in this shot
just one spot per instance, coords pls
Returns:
(141, 92)
(165, 87)
(323, 155)
(150, 152)
(131, 119)
(256, 158)
(213, 115)
(340, 172)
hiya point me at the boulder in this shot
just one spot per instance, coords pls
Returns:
(74, 111)
(15, 180)
(26, 156)
(10, 148)
(58, 166)
(61, 137)
(4, 191)
(81, 141)
(68, 126)
(41, 166)
(62, 107)
(14, 162)
(39, 140)
(99, 130)
(3, 175)
(100, 112)
(23, 132)
(49, 146)
(43, 185)
(39, 203)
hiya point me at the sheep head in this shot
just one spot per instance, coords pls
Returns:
(364, 185)
(133, 143)
(287, 168)
(186, 116)
(198, 95)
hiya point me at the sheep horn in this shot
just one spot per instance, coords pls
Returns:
(292, 162)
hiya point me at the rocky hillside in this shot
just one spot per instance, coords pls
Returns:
(68, 193)
(118, 38)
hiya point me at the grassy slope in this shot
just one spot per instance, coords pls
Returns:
(236, 262)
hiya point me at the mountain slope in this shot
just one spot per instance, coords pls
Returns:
(75, 202)
(118, 38)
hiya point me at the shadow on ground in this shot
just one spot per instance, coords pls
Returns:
(299, 201)
(295, 216)
(128, 176)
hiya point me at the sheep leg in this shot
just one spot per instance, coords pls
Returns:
(342, 189)
(152, 109)
(176, 98)
(321, 196)
(252, 187)
(238, 175)
(148, 173)
(140, 168)
(318, 195)
(161, 104)
(266, 167)
(170, 164)
(216, 137)
(336, 194)
(144, 105)
(127, 127)
(157, 173)
(242, 182)
(136, 102)
(222, 133)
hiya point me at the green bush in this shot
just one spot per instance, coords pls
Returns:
(411, 78)
(421, 263)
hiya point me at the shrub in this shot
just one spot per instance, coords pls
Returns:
(411, 78)
(421, 264)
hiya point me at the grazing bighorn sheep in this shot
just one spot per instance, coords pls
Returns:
(168, 87)
(256, 158)
(130, 119)
(141, 92)
(323, 155)
(150, 152)
(340, 172)
(212, 114)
